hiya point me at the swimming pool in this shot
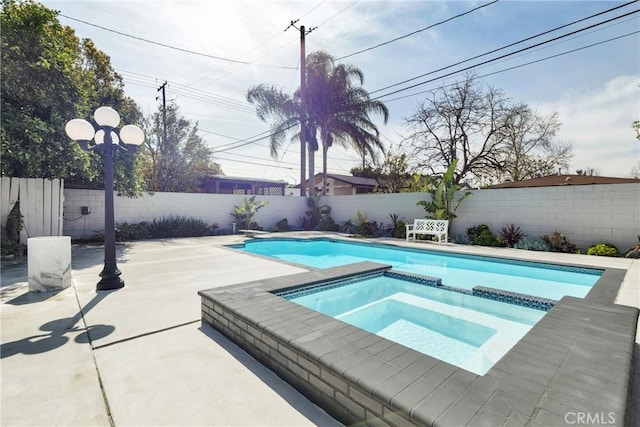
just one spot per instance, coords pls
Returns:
(461, 271)
(456, 327)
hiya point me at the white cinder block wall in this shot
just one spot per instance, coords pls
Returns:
(210, 208)
(586, 214)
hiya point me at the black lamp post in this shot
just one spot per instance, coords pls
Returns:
(106, 143)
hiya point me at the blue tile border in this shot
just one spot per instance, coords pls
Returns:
(515, 298)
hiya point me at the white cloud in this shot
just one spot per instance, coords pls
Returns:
(597, 122)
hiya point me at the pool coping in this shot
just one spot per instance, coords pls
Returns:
(581, 348)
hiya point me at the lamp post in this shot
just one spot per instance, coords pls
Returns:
(106, 142)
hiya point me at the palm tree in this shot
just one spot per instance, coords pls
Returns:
(337, 109)
(284, 109)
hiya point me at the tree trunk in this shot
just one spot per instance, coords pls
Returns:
(312, 167)
(325, 150)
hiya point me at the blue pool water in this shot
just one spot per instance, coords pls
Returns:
(464, 330)
(461, 271)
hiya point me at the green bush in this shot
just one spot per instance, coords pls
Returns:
(126, 232)
(634, 251)
(510, 235)
(180, 226)
(399, 230)
(282, 226)
(559, 243)
(531, 245)
(11, 233)
(482, 235)
(398, 227)
(603, 249)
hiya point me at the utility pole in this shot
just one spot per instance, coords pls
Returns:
(303, 116)
(164, 132)
(164, 113)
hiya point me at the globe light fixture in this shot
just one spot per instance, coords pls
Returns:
(106, 141)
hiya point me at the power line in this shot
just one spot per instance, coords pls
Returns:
(206, 55)
(528, 63)
(265, 42)
(507, 46)
(417, 31)
(494, 59)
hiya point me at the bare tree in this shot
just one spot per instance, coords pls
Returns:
(529, 148)
(483, 130)
(459, 122)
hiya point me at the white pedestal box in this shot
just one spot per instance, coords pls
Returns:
(49, 263)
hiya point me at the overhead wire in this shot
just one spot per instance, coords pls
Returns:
(491, 60)
(417, 31)
(180, 49)
(528, 63)
(508, 46)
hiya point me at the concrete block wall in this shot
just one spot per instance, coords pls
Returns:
(210, 208)
(586, 214)
(376, 206)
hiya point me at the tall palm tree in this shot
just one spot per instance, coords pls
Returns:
(284, 109)
(337, 109)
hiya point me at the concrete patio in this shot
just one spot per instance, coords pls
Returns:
(140, 356)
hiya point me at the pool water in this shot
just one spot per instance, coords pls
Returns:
(461, 271)
(464, 330)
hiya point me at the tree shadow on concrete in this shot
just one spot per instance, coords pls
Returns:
(56, 333)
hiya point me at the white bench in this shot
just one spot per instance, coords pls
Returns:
(434, 227)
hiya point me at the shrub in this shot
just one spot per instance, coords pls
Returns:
(282, 225)
(364, 227)
(634, 251)
(398, 227)
(180, 226)
(244, 213)
(317, 217)
(510, 235)
(482, 235)
(139, 231)
(559, 243)
(603, 249)
(531, 245)
(11, 235)
(460, 239)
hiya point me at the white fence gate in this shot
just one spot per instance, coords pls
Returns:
(41, 205)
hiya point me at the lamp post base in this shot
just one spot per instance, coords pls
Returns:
(110, 282)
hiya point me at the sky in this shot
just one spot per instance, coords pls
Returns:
(211, 52)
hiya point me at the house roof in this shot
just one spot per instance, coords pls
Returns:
(557, 180)
(244, 179)
(353, 180)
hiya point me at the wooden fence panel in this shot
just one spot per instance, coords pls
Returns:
(41, 205)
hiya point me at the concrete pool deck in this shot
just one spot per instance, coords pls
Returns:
(139, 355)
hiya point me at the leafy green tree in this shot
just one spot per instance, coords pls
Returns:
(42, 88)
(179, 162)
(443, 203)
(49, 76)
